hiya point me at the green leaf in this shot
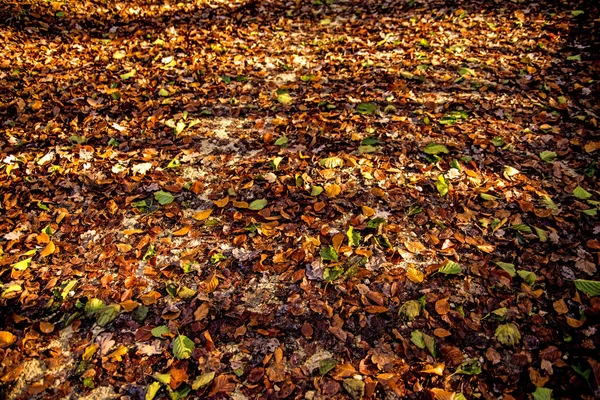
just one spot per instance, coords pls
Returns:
(282, 141)
(308, 78)
(182, 347)
(508, 334)
(285, 98)
(128, 75)
(592, 212)
(411, 309)
(174, 163)
(353, 237)
(328, 253)
(509, 172)
(498, 141)
(577, 13)
(159, 331)
(581, 193)
(591, 288)
(77, 139)
(93, 305)
(541, 234)
(417, 338)
(164, 92)
(383, 242)
(469, 368)
(460, 396)
(429, 342)
(488, 197)
(433, 148)
(366, 108)
(150, 252)
(548, 156)
(574, 58)
(316, 190)
(548, 203)
(165, 379)
(521, 228)
(22, 265)
(442, 185)
(331, 274)
(466, 71)
(163, 197)
(203, 380)
(226, 79)
(527, 276)
(107, 314)
(542, 394)
(508, 267)
(258, 205)
(414, 210)
(367, 149)
(327, 365)
(370, 141)
(332, 162)
(152, 390)
(451, 268)
(375, 222)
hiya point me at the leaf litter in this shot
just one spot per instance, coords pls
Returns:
(328, 199)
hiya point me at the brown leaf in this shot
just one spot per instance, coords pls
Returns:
(414, 247)
(560, 306)
(222, 384)
(307, 330)
(442, 306)
(201, 312)
(376, 309)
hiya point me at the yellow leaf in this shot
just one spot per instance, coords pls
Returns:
(6, 339)
(123, 247)
(132, 231)
(222, 203)
(89, 352)
(414, 274)
(118, 354)
(202, 215)
(49, 249)
(182, 232)
(333, 190)
(437, 369)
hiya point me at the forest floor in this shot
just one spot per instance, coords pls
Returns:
(329, 199)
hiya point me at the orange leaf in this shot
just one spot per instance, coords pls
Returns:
(6, 339)
(560, 306)
(414, 247)
(49, 249)
(132, 231)
(222, 203)
(376, 309)
(210, 284)
(202, 215)
(182, 232)
(129, 305)
(240, 204)
(441, 332)
(368, 211)
(43, 238)
(46, 327)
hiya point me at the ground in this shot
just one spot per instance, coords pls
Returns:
(333, 199)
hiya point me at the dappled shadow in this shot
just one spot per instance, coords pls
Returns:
(104, 104)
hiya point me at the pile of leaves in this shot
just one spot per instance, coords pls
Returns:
(299, 199)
